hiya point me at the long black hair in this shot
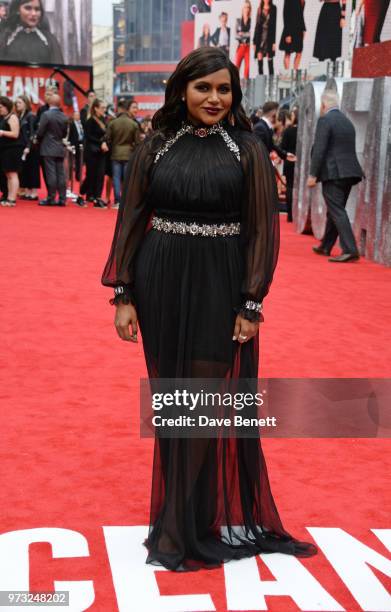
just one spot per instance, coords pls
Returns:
(13, 19)
(195, 65)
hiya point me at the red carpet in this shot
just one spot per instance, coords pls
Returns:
(71, 457)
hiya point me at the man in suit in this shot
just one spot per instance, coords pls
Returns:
(76, 138)
(264, 131)
(52, 130)
(334, 163)
(222, 36)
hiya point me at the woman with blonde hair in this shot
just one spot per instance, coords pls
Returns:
(11, 149)
(243, 28)
(95, 154)
(29, 177)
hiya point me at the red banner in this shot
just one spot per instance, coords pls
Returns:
(16, 80)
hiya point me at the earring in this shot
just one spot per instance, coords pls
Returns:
(183, 99)
(231, 119)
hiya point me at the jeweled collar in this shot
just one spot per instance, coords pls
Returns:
(203, 131)
(21, 28)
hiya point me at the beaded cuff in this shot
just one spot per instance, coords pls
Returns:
(252, 311)
(122, 295)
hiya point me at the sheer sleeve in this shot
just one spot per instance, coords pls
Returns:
(260, 233)
(132, 222)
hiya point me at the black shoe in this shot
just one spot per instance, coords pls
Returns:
(61, 203)
(46, 202)
(99, 203)
(344, 257)
(320, 250)
(80, 202)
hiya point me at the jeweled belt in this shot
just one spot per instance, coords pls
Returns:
(195, 229)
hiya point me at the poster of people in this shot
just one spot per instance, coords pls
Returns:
(46, 32)
(119, 26)
(274, 36)
(371, 22)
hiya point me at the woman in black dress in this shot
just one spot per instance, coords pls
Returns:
(288, 143)
(194, 280)
(30, 179)
(96, 150)
(11, 149)
(265, 35)
(205, 39)
(26, 37)
(292, 36)
(328, 37)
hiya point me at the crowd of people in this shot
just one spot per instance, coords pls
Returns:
(94, 144)
(277, 128)
(101, 142)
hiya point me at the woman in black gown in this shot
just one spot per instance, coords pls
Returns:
(194, 280)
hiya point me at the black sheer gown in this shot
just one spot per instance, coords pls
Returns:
(211, 499)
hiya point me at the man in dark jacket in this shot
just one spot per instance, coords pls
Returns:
(122, 136)
(264, 130)
(334, 163)
(52, 130)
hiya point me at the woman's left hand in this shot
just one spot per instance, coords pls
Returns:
(244, 330)
(105, 148)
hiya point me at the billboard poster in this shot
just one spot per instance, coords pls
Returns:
(371, 22)
(46, 32)
(275, 36)
(119, 33)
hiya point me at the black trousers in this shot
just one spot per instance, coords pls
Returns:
(270, 62)
(55, 178)
(384, 4)
(95, 177)
(336, 194)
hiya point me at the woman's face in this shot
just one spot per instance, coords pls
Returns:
(246, 10)
(3, 111)
(20, 105)
(209, 99)
(100, 110)
(30, 13)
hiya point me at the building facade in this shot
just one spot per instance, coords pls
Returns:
(102, 56)
(152, 49)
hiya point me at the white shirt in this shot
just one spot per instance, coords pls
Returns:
(223, 39)
(269, 125)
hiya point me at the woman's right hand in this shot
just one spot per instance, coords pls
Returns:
(126, 317)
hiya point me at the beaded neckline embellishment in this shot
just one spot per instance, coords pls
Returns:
(187, 128)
